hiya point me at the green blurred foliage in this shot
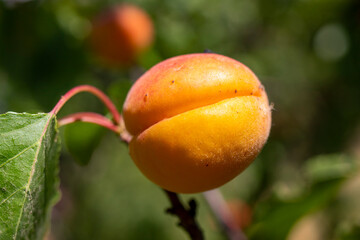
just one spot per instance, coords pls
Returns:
(81, 140)
(306, 53)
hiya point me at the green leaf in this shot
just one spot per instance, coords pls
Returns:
(325, 175)
(275, 218)
(29, 153)
(328, 167)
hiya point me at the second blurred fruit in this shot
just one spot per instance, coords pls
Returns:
(120, 34)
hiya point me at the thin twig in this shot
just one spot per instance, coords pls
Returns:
(186, 216)
(90, 117)
(87, 88)
(223, 215)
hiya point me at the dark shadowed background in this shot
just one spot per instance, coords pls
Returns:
(306, 182)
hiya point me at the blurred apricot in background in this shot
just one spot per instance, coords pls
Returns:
(120, 34)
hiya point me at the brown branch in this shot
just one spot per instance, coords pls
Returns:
(186, 216)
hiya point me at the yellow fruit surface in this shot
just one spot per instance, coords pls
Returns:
(197, 121)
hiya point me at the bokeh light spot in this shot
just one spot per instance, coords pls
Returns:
(331, 42)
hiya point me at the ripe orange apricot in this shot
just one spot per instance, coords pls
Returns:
(197, 121)
(120, 34)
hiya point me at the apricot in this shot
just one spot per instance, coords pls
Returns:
(197, 121)
(120, 34)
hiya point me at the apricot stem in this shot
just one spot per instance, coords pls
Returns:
(93, 90)
(90, 117)
(117, 125)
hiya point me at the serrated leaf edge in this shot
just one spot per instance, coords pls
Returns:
(7, 133)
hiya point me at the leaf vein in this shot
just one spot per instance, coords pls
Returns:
(6, 199)
(32, 171)
(19, 154)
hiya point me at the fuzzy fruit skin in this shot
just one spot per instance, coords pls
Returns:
(197, 121)
(120, 34)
